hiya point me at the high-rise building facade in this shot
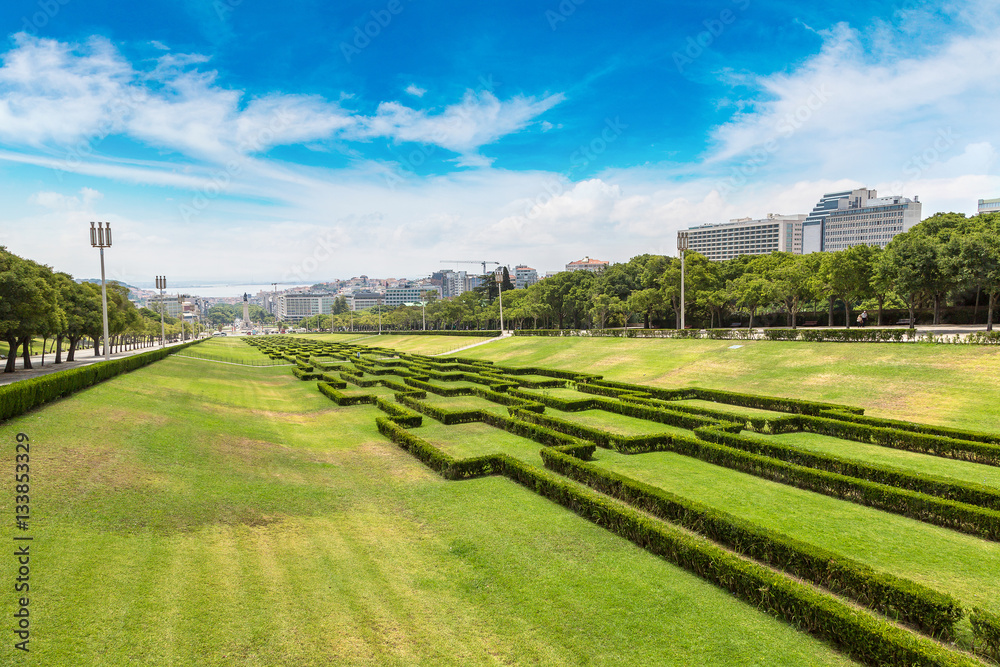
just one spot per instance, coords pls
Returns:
(989, 206)
(294, 307)
(857, 217)
(746, 236)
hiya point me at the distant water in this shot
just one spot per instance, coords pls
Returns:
(223, 290)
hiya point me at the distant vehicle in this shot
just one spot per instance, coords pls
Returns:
(220, 333)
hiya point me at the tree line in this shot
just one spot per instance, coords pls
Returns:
(946, 259)
(38, 302)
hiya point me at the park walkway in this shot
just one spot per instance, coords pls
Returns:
(84, 357)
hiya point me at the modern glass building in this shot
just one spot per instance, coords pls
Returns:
(857, 217)
(989, 206)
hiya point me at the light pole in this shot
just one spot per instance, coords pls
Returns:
(101, 238)
(180, 316)
(423, 313)
(379, 302)
(682, 246)
(499, 276)
(161, 284)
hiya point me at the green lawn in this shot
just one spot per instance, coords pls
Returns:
(231, 350)
(425, 344)
(616, 424)
(897, 458)
(956, 385)
(464, 403)
(191, 513)
(478, 439)
(949, 561)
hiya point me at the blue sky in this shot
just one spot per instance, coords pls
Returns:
(246, 139)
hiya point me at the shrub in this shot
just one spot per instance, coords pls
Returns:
(343, 399)
(399, 414)
(986, 630)
(933, 612)
(957, 434)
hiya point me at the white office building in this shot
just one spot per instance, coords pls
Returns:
(857, 217)
(989, 206)
(294, 307)
(747, 236)
(363, 300)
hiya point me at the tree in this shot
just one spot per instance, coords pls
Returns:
(28, 304)
(977, 256)
(751, 292)
(849, 274)
(793, 282)
(916, 268)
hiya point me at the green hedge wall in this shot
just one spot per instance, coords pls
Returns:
(944, 431)
(564, 404)
(859, 634)
(343, 399)
(929, 610)
(925, 443)
(966, 518)
(18, 397)
(399, 414)
(986, 630)
(943, 487)
(757, 423)
(446, 417)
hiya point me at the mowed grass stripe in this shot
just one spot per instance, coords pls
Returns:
(946, 560)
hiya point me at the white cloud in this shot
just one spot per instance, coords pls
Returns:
(415, 90)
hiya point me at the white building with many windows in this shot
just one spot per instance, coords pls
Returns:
(989, 206)
(746, 236)
(293, 307)
(857, 217)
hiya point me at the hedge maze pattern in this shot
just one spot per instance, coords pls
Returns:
(875, 617)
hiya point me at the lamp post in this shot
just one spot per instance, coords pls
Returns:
(101, 238)
(161, 284)
(423, 313)
(682, 246)
(499, 278)
(379, 302)
(180, 315)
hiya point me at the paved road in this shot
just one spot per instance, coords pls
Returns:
(83, 358)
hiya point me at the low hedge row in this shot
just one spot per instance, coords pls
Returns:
(772, 403)
(925, 443)
(18, 397)
(537, 432)
(303, 374)
(511, 402)
(654, 413)
(986, 630)
(564, 404)
(610, 392)
(343, 399)
(333, 381)
(758, 423)
(929, 610)
(435, 389)
(858, 633)
(943, 487)
(962, 517)
(549, 372)
(446, 417)
(448, 466)
(956, 433)
(842, 335)
(359, 379)
(399, 414)
(864, 637)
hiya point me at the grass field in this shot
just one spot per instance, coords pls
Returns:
(193, 513)
(206, 514)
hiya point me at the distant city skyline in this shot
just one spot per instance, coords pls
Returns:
(251, 143)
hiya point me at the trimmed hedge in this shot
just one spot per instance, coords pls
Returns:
(333, 381)
(842, 335)
(929, 610)
(18, 397)
(448, 466)
(343, 399)
(925, 443)
(540, 434)
(511, 402)
(446, 417)
(759, 424)
(957, 434)
(943, 487)
(861, 635)
(564, 404)
(962, 517)
(986, 630)
(303, 374)
(399, 414)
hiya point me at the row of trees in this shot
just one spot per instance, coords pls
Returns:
(37, 302)
(946, 259)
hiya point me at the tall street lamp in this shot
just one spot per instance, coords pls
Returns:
(161, 284)
(682, 246)
(101, 238)
(499, 278)
(180, 316)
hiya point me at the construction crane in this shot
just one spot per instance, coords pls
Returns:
(462, 261)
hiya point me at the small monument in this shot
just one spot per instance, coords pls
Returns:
(246, 310)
